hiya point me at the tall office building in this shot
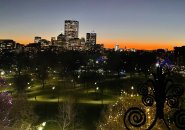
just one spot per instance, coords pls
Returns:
(91, 38)
(71, 29)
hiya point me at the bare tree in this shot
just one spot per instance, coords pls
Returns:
(67, 114)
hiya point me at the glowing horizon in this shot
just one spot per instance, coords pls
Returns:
(111, 44)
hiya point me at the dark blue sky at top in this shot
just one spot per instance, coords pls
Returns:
(111, 19)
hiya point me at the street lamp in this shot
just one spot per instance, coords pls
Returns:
(2, 73)
(40, 128)
(157, 64)
(44, 124)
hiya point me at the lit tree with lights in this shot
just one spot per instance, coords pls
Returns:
(114, 116)
(5, 105)
(161, 107)
(22, 114)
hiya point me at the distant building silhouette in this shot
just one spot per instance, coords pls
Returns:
(53, 40)
(91, 38)
(179, 55)
(7, 44)
(61, 39)
(32, 48)
(37, 39)
(116, 48)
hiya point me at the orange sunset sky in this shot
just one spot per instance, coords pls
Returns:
(146, 45)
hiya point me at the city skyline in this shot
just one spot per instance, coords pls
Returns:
(141, 24)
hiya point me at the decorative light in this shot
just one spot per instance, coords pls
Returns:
(40, 128)
(44, 123)
(157, 64)
(2, 72)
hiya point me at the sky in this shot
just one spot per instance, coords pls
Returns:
(140, 24)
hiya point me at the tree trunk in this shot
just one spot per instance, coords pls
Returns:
(43, 83)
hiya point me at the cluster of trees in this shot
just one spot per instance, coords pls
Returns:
(66, 63)
(71, 60)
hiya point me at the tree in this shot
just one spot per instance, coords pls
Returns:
(114, 115)
(88, 78)
(7, 59)
(114, 62)
(102, 86)
(21, 82)
(42, 74)
(42, 64)
(71, 60)
(22, 115)
(5, 107)
(22, 61)
(67, 114)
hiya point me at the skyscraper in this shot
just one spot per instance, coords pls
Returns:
(71, 29)
(91, 38)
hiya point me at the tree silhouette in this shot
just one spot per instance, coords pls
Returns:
(22, 114)
(42, 74)
(5, 108)
(21, 82)
(7, 59)
(67, 113)
(21, 61)
(42, 64)
(115, 62)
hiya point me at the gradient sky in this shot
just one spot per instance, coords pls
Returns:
(140, 24)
